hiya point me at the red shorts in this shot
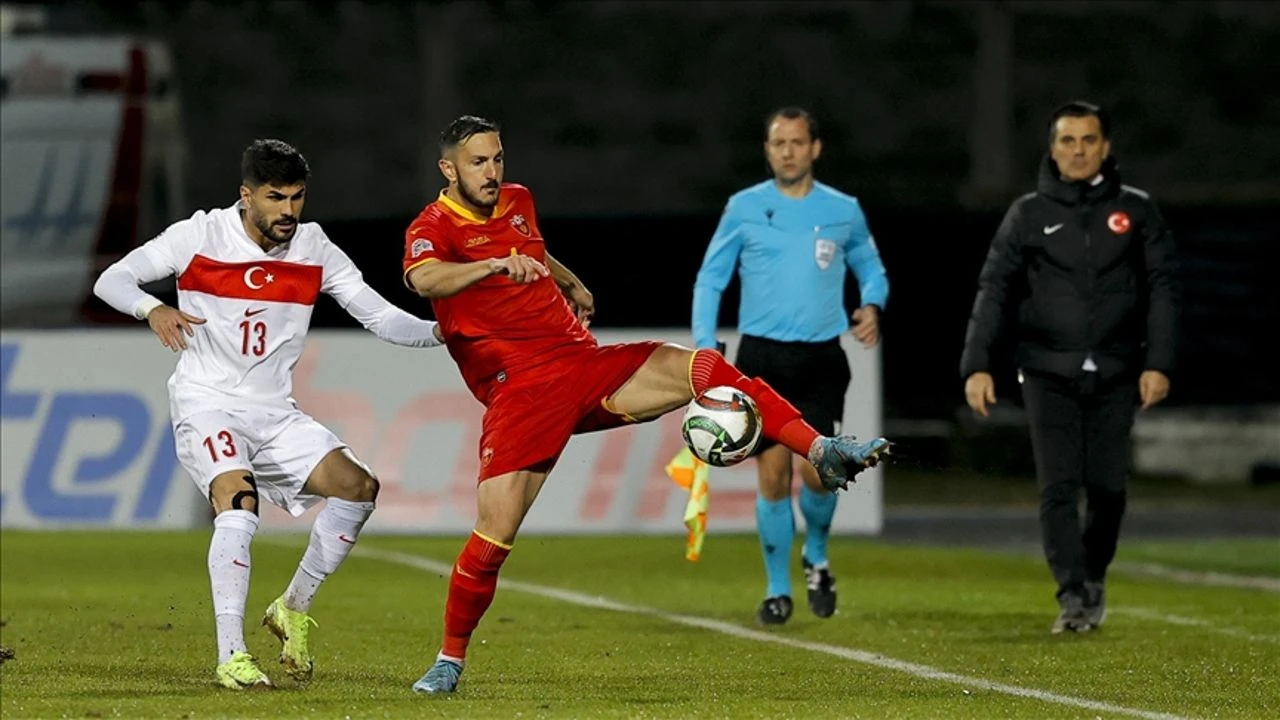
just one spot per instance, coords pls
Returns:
(529, 421)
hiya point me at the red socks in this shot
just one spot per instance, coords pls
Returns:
(780, 419)
(471, 588)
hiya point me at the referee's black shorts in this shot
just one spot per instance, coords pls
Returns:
(813, 376)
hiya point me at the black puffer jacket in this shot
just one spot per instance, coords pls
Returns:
(1079, 269)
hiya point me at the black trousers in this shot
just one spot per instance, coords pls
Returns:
(1080, 437)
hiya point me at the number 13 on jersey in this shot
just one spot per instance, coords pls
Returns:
(253, 338)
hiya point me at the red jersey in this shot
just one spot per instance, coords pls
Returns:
(496, 327)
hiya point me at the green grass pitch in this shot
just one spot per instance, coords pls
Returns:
(118, 625)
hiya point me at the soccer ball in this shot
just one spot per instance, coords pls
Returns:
(722, 426)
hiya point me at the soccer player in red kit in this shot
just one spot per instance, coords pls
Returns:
(515, 321)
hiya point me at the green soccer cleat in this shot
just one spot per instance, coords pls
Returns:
(292, 628)
(241, 672)
(441, 678)
(839, 459)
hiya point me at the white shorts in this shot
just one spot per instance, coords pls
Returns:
(279, 446)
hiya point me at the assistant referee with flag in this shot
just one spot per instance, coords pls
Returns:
(790, 239)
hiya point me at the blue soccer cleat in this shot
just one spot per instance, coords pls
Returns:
(839, 459)
(441, 679)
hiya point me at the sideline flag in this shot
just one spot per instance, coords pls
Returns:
(693, 475)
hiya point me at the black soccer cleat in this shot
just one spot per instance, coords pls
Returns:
(1095, 603)
(775, 610)
(1073, 616)
(822, 589)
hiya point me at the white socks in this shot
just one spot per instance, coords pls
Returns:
(229, 577)
(332, 536)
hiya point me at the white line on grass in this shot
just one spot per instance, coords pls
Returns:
(861, 656)
(1149, 614)
(1193, 577)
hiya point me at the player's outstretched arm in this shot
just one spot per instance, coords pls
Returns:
(389, 322)
(440, 279)
(344, 283)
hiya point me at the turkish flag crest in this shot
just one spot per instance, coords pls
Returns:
(1118, 222)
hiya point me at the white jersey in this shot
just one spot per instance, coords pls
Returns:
(256, 305)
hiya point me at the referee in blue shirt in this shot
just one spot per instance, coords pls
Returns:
(790, 239)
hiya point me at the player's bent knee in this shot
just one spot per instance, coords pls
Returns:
(774, 486)
(499, 521)
(234, 491)
(503, 501)
(660, 385)
(673, 361)
(356, 485)
(367, 487)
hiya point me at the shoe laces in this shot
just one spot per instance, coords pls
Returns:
(818, 578)
(778, 605)
(297, 622)
(307, 623)
(446, 669)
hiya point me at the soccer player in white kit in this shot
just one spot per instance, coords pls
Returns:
(248, 277)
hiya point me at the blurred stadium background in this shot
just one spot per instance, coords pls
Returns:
(632, 122)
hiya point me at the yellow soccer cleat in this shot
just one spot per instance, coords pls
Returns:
(241, 672)
(292, 628)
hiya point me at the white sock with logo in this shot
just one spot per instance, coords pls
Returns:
(334, 533)
(229, 577)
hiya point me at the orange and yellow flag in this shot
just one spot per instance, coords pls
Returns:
(692, 474)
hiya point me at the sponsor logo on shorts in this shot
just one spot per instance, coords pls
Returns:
(486, 456)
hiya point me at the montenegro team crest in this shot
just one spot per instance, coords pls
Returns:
(519, 223)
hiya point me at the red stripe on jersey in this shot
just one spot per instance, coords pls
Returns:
(266, 280)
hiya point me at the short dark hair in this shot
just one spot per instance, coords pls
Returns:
(273, 162)
(792, 112)
(461, 130)
(1080, 108)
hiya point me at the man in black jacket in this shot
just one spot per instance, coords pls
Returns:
(1084, 270)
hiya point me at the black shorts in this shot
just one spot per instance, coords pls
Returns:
(812, 376)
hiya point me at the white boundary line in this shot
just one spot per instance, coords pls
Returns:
(1193, 577)
(1181, 620)
(724, 628)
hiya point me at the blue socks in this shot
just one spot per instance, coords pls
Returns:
(818, 511)
(777, 527)
(775, 522)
